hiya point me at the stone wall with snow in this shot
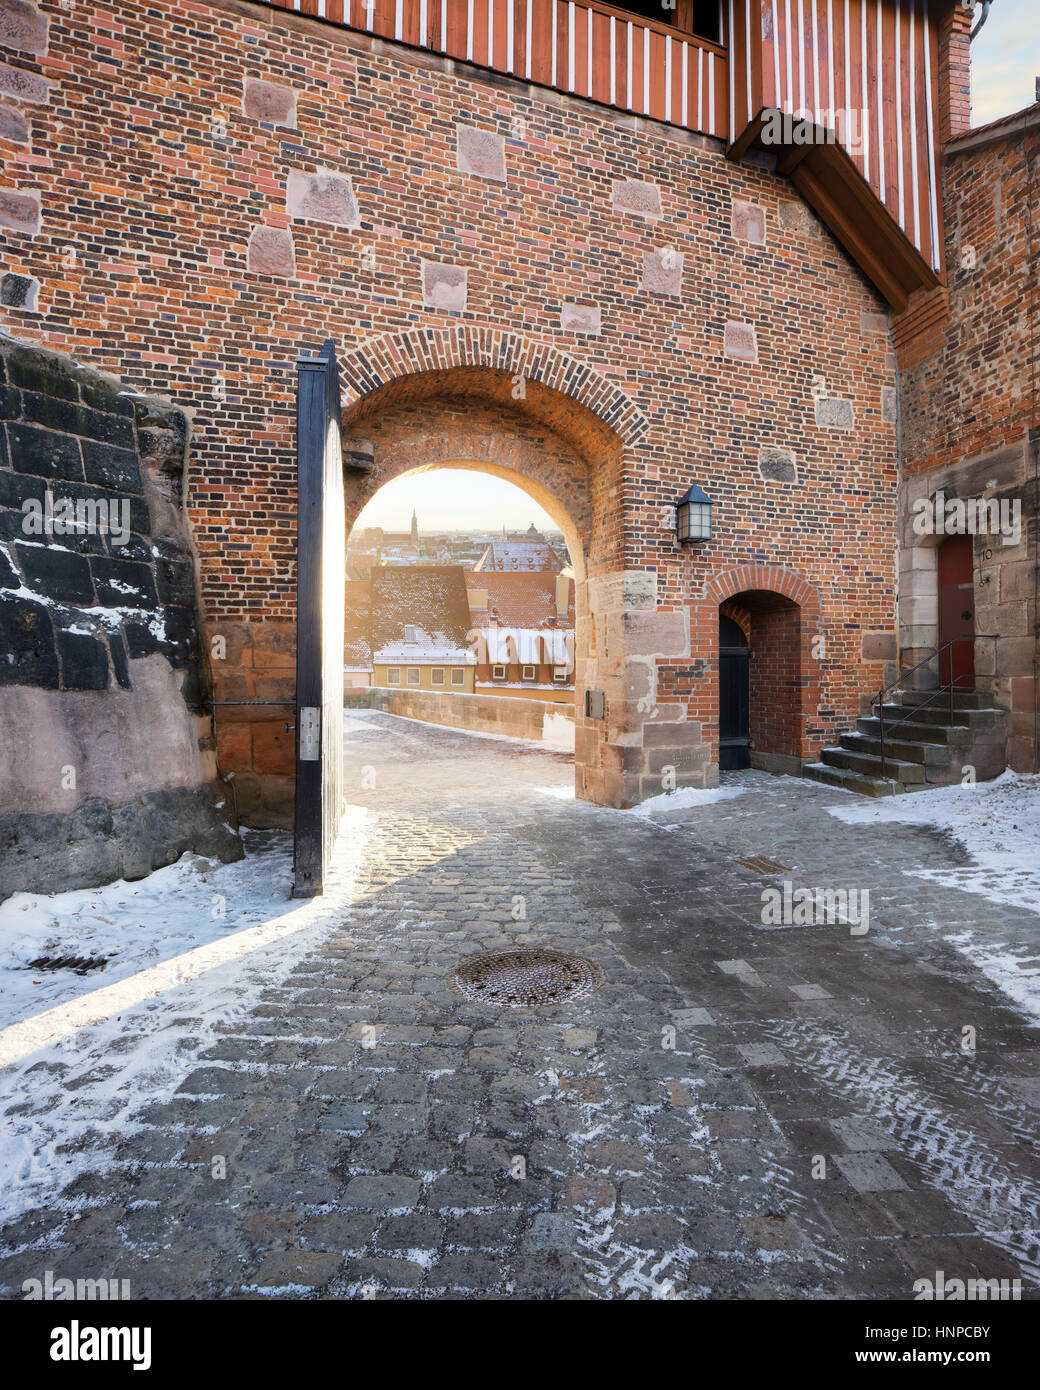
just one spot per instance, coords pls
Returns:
(106, 761)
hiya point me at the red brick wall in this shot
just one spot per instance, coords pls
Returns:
(775, 694)
(153, 181)
(971, 385)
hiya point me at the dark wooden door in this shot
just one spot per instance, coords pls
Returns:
(320, 586)
(957, 610)
(734, 701)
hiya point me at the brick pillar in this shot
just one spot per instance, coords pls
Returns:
(955, 72)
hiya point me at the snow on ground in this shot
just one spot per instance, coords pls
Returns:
(81, 1053)
(685, 799)
(998, 824)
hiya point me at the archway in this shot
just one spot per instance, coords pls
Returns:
(777, 613)
(556, 447)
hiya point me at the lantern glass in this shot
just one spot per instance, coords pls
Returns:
(693, 516)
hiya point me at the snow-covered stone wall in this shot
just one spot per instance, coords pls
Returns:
(106, 761)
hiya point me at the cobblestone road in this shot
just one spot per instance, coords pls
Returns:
(816, 1131)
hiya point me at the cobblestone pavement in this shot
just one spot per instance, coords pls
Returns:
(815, 1132)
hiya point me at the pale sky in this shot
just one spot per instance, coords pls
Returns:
(1005, 60)
(454, 499)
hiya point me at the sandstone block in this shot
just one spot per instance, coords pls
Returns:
(271, 252)
(480, 152)
(324, 196)
(269, 102)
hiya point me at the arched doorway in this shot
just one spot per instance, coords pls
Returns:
(552, 446)
(778, 615)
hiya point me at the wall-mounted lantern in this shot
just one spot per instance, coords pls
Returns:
(693, 516)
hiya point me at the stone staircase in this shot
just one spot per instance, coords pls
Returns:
(930, 749)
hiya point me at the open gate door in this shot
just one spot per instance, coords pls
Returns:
(320, 578)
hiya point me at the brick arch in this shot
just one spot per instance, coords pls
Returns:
(773, 578)
(381, 360)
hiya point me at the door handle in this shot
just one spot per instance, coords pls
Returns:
(967, 614)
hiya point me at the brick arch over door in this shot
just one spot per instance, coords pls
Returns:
(381, 360)
(773, 578)
(805, 736)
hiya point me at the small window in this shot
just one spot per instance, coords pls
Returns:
(498, 673)
(393, 675)
(413, 675)
(437, 675)
(458, 676)
(410, 633)
(559, 673)
(528, 673)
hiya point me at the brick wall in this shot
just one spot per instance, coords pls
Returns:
(971, 415)
(204, 188)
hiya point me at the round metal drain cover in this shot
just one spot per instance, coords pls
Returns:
(524, 979)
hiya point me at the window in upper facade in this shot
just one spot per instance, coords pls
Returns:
(700, 17)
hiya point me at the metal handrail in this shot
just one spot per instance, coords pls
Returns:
(878, 702)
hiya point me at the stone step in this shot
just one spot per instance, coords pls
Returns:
(867, 765)
(936, 714)
(945, 735)
(924, 751)
(962, 699)
(839, 777)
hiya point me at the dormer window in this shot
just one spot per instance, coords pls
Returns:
(411, 633)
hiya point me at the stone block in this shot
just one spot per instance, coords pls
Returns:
(636, 196)
(269, 102)
(24, 86)
(20, 210)
(13, 126)
(834, 413)
(748, 222)
(444, 286)
(890, 405)
(19, 292)
(22, 27)
(919, 610)
(324, 196)
(580, 318)
(84, 661)
(1014, 656)
(271, 252)
(124, 583)
(44, 453)
(655, 634)
(873, 323)
(878, 646)
(480, 152)
(55, 572)
(27, 636)
(777, 465)
(662, 271)
(740, 342)
(107, 465)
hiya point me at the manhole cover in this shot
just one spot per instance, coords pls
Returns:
(523, 979)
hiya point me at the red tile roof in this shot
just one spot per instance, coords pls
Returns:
(520, 598)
